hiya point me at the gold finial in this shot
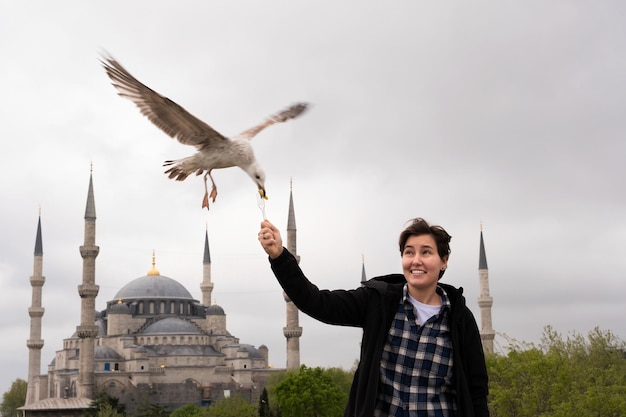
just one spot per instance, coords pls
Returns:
(119, 301)
(91, 167)
(481, 225)
(153, 271)
(291, 184)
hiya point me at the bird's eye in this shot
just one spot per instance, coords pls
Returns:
(258, 177)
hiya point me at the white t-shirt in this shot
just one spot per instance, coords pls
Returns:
(424, 311)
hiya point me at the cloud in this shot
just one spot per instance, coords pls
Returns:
(507, 114)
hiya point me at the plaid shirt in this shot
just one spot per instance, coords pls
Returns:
(416, 365)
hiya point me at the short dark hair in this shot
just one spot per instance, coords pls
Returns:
(418, 227)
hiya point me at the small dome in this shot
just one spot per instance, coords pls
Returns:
(172, 325)
(253, 353)
(215, 310)
(105, 352)
(153, 286)
(119, 308)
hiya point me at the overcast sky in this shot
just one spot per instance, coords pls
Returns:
(507, 113)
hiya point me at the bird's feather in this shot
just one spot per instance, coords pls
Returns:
(167, 115)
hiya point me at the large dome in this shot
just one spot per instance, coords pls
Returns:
(153, 286)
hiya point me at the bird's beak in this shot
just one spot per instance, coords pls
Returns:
(262, 193)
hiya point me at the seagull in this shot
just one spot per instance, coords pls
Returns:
(214, 150)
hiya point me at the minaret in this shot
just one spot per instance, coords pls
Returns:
(35, 342)
(485, 301)
(363, 275)
(88, 290)
(292, 331)
(206, 286)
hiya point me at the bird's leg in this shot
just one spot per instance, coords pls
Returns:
(213, 188)
(205, 199)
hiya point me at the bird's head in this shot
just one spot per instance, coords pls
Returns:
(258, 176)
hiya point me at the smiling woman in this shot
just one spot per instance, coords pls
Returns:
(417, 332)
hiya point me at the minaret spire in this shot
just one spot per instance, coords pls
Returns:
(36, 311)
(206, 286)
(485, 301)
(87, 331)
(363, 275)
(292, 330)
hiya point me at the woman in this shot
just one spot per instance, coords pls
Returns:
(421, 353)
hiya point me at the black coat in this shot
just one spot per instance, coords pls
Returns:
(373, 307)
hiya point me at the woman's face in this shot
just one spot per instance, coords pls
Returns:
(421, 264)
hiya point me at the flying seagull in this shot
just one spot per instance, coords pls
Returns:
(214, 150)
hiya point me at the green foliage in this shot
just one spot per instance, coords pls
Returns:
(274, 379)
(106, 403)
(190, 410)
(152, 410)
(12, 399)
(310, 392)
(234, 406)
(107, 410)
(560, 377)
(342, 379)
(264, 404)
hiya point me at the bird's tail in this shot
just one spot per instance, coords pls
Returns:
(180, 170)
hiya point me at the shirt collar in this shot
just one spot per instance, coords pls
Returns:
(445, 300)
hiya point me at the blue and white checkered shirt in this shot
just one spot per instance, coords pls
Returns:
(416, 365)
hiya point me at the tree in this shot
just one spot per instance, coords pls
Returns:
(576, 375)
(341, 378)
(310, 392)
(12, 399)
(107, 403)
(107, 410)
(152, 410)
(190, 410)
(264, 404)
(234, 406)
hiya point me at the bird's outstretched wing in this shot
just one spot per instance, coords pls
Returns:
(163, 112)
(289, 113)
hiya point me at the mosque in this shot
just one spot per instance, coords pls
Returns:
(155, 344)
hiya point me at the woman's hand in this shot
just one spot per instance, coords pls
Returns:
(270, 239)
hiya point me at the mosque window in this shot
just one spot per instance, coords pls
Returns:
(151, 307)
(107, 366)
(162, 307)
